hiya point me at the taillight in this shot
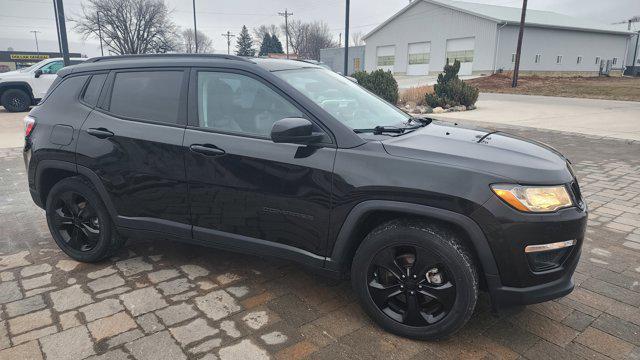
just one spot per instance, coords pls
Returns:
(29, 124)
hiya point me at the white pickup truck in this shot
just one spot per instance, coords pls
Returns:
(25, 87)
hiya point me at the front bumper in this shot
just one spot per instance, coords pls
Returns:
(509, 232)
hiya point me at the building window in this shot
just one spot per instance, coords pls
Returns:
(513, 58)
(597, 60)
(579, 60)
(615, 61)
(356, 64)
(462, 55)
(537, 59)
(386, 60)
(559, 59)
(420, 58)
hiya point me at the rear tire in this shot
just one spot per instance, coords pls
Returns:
(79, 222)
(15, 100)
(415, 279)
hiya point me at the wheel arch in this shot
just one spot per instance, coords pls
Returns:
(50, 172)
(22, 85)
(368, 214)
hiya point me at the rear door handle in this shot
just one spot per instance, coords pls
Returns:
(100, 133)
(207, 149)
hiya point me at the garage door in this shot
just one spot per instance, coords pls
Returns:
(419, 58)
(461, 50)
(386, 57)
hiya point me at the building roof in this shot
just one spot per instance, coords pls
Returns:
(511, 15)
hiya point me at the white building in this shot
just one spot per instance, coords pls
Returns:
(420, 38)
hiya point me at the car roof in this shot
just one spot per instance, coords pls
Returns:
(194, 60)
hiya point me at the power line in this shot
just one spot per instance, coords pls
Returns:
(228, 35)
(286, 15)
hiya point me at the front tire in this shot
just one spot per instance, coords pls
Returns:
(15, 100)
(79, 222)
(415, 279)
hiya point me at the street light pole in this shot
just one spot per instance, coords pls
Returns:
(346, 40)
(195, 27)
(100, 33)
(35, 34)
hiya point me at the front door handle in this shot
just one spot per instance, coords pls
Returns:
(100, 133)
(207, 149)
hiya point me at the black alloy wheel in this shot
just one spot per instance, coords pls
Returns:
(415, 279)
(79, 221)
(411, 285)
(76, 221)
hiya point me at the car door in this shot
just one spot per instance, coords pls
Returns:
(245, 189)
(133, 142)
(48, 74)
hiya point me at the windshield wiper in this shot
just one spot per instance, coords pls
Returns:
(380, 130)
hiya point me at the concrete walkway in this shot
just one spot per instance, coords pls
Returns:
(11, 129)
(617, 119)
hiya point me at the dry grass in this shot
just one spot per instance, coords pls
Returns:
(415, 95)
(609, 88)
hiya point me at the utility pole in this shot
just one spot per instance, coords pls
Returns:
(35, 34)
(62, 31)
(100, 33)
(346, 40)
(340, 40)
(286, 15)
(516, 68)
(228, 35)
(195, 27)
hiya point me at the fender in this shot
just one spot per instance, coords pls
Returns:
(477, 237)
(13, 84)
(44, 165)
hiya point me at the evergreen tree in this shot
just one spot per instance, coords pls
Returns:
(265, 47)
(244, 46)
(276, 45)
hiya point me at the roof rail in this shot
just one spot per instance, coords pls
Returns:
(151, 56)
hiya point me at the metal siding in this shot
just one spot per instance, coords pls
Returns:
(435, 24)
(334, 57)
(553, 42)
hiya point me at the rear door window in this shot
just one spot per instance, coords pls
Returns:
(147, 95)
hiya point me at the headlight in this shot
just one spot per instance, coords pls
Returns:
(534, 198)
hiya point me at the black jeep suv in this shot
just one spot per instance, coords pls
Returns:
(286, 158)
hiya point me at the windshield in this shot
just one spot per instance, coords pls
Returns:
(27, 69)
(349, 103)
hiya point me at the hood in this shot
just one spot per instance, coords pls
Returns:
(507, 156)
(11, 74)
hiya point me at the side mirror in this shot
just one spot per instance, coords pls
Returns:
(295, 131)
(38, 73)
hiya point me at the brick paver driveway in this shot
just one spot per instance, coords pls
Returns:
(162, 300)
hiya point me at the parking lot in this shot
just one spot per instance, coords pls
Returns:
(184, 301)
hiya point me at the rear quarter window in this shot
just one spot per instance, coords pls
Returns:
(92, 91)
(65, 89)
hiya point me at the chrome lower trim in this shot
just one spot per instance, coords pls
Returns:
(549, 247)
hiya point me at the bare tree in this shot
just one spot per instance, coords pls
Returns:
(129, 26)
(306, 39)
(188, 42)
(258, 32)
(356, 38)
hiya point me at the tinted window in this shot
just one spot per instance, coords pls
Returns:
(52, 67)
(240, 104)
(67, 92)
(92, 91)
(147, 95)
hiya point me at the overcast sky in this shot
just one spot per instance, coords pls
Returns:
(19, 17)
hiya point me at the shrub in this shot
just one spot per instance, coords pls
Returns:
(450, 90)
(379, 82)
